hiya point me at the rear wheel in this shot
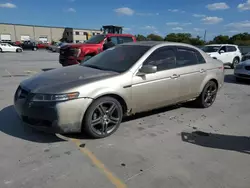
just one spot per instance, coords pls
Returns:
(208, 95)
(235, 62)
(103, 117)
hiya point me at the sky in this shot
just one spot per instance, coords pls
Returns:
(160, 17)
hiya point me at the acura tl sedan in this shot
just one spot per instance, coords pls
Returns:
(94, 96)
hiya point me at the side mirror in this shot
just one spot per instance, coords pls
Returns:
(147, 69)
(221, 51)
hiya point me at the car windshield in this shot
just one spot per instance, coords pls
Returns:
(96, 39)
(117, 59)
(211, 48)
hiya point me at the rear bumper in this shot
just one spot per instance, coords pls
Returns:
(242, 73)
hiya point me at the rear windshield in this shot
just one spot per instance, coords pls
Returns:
(96, 39)
(117, 59)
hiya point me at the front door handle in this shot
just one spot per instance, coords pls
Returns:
(202, 70)
(175, 76)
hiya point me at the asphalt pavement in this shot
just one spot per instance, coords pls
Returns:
(174, 147)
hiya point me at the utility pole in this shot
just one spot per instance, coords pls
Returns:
(205, 34)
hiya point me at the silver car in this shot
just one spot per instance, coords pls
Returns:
(242, 71)
(130, 78)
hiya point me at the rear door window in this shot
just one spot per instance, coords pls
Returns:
(186, 57)
(114, 40)
(231, 49)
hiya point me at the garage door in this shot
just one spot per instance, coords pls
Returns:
(43, 39)
(25, 37)
(5, 37)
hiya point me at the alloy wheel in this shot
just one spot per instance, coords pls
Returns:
(105, 118)
(210, 94)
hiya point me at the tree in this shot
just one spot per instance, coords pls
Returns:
(154, 37)
(221, 39)
(140, 37)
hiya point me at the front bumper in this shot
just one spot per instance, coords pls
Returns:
(242, 73)
(54, 117)
(67, 61)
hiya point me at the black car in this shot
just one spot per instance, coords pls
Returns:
(29, 45)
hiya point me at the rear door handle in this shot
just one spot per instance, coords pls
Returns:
(202, 71)
(174, 76)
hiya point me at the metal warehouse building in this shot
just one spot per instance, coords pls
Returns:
(20, 32)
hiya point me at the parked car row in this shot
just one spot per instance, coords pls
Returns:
(94, 96)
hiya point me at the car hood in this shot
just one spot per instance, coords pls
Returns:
(63, 79)
(246, 63)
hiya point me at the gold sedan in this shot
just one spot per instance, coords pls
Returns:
(129, 78)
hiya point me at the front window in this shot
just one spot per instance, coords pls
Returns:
(209, 49)
(117, 59)
(96, 39)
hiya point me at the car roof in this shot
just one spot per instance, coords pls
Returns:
(222, 45)
(120, 35)
(159, 43)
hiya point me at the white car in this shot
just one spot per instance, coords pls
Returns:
(229, 54)
(5, 47)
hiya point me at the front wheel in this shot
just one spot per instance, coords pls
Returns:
(103, 117)
(208, 95)
(19, 50)
(234, 63)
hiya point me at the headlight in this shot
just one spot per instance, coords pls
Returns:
(55, 97)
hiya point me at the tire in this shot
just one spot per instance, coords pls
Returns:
(18, 50)
(34, 49)
(86, 58)
(201, 100)
(1, 50)
(109, 121)
(234, 63)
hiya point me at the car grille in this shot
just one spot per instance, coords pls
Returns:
(67, 52)
(247, 67)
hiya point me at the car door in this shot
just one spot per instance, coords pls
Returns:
(224, 56)
(157, 89)
(192, 71)
(231, 50)
(11, 48)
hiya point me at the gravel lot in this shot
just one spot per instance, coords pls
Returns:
(162, 149)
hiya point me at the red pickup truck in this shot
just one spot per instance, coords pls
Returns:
(76, 53)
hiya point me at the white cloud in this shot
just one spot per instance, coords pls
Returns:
(124, 11)
(147, 14)
(218, 6)
(234, 31)
(127, 29)
(71, 10)
(176, 10)
(244, 6)
(212, 20)
(178, 24)
(7, 5)
(199, 15)
(177, 28)
(240, 25)
(149, 27)
(172, 23)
